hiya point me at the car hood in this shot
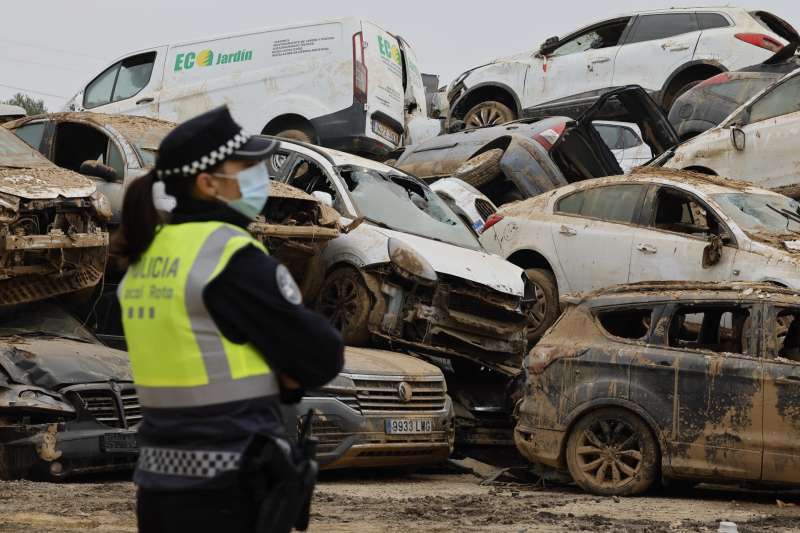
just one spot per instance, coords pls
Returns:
(472, 265)
(52, 363)
(44, 183)
(365, 361)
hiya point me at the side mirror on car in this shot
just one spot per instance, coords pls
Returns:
(90, 167)
(738, 138)
(548, 45)
(323, 197)
(712, 254)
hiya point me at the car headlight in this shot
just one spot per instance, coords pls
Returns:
(409, 262)
(101, 205)
(34, 399)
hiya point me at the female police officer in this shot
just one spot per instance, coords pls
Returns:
(217, 334)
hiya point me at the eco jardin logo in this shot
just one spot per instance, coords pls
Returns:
(207, 58)
(389, 51)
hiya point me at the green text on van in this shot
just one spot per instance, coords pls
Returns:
(207, 58)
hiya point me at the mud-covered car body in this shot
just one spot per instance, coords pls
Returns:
(383, 409)
(126, 145)
(541, 155)
(52, 226)
(429, 284)
(466, 201)
(710, 371)
(67, 402)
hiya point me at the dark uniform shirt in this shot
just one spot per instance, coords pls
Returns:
(247, 306)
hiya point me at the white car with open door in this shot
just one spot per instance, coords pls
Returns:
(624, 139)
(648, 226)
(344, 83)
(758, 142)
(665, 51)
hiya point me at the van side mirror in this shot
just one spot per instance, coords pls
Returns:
(90, 167)
(548, 45)
(324, 198)
(738, 138)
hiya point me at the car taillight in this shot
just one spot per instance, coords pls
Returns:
(715, 80)
(548, 137)
(491, 221)
(762, 41)
(542, 356)
(359, 70)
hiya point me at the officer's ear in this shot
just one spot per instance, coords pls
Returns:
(205, 186)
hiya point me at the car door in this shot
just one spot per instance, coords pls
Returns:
(655, 47)
(676, 233)
(592, 233)
(782, 395)
(578, 68)
(719, 390)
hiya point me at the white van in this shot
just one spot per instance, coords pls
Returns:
(345, 84)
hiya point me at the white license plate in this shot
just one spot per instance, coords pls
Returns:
(386, 132)
(409, 426)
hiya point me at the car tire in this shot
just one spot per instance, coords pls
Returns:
(490, 113)
(612, 452)
(344, 299)
(296, 134)
(481, 169)
(546, 308)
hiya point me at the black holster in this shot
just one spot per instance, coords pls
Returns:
(281, 476)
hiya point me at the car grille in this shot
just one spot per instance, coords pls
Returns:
(381, 396)
(485, 209)
(114, 408)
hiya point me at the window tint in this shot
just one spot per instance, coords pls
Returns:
(786, 334)
(710, 21)
(99, 91)
(616, 203)
(627, 323)
(31, 133)
(782, 100)
(611, 135)
(630, 139)
(682, 213)
(134, 75)
(602, 37)
(724, 328)
(115, 160)
(652, 27)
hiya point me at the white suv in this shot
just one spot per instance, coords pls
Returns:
(652, 225)
(666, 52)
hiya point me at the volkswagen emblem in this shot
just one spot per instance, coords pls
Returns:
(404, 392)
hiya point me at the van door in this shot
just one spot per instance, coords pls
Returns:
(419, 127)
(130, 86)
(385, 90)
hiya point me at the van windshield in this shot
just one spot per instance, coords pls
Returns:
(401, 203)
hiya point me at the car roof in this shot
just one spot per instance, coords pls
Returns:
(631, 294)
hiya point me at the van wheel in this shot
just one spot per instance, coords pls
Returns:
(301, 135)
(546, 307)
(481, 169)
(345, 300)
(612, 452)
(489, 113)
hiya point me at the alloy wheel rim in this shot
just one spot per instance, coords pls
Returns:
(487, 116)
(538, 311)
(609, 453)
(339, 302)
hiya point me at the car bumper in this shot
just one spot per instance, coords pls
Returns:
(351, 439)
(539, 445)
(61, 450)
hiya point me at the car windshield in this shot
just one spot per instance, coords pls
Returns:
(15, 153)
(761, 213)
(42, 320)
(401, 203)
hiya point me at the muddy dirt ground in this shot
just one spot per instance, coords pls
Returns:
(433, 501)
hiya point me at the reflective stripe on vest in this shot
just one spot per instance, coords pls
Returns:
(178, 356)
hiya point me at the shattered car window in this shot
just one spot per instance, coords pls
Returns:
(757, 213)
(723, 329)
(15, 153)
(786, 331)
(42, 320)
(403, 204)
(627, 323)
(679, 212)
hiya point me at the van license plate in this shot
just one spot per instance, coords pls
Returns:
(386, 132)
(409, 426)
(119, 442)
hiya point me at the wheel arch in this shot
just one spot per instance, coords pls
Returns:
(290, 121)
(528, 258)
(482, 92)
(700, 69)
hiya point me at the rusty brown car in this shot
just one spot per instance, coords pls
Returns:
(687, 382)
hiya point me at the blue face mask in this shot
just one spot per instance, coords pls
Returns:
(254, 184)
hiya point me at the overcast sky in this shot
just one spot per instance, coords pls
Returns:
(54, 46)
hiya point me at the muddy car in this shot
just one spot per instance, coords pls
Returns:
(110, 149)
(683, 381)
(51, 224)
(466, 201)
(10, 112)
(521, 159)
(384, 409)
(67, 401)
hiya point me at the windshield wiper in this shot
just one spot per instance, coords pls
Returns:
(786, 213)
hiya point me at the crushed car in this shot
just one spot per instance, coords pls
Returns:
(711, 101)
(521, 159)
(110, 149)
(654, 224)
(756, 143)
(684, 381)
(466, 201)
(67, 402)
(384, 409)
(52, 225)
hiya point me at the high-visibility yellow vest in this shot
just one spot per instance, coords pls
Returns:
(178, 355)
